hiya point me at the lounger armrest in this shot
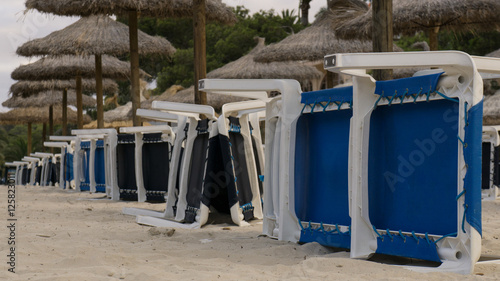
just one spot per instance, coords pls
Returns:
(147, 129)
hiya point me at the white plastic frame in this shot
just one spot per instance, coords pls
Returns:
(279, 207)
(491, 135)
(463, 82)
(109, 136)
(169, 136)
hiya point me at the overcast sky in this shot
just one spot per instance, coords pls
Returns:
(16, 28)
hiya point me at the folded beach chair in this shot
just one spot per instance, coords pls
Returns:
(33, 168)
(490, 179)
(61, 165)
(10, 172)
(21, 170)
(179, 123)
(47, 168)
(184, 202)
(151, 147)
(67, 144)
(95, 153)
(415, 158)
(14, 169)
(277, 212)
(238, 146)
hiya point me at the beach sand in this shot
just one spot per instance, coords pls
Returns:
(80, 236)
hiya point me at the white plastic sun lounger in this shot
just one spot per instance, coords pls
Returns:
(490, 163)
(415, 158)
(99, 175)
(152, 144)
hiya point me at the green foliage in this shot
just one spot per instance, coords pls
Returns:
(472, 43)
(224, 44)
(405, 42)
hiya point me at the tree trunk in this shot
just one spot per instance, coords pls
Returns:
(65, 113)
(79, 102)
(99, 92)
(382, 33)
(304, 7)
(200, 51)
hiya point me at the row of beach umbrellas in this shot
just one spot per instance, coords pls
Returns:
(87, 44)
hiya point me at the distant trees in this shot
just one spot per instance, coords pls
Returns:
(224, 43)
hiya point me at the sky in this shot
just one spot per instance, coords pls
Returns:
(17, 28)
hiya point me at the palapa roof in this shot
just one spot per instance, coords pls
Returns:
(215, 9)
(47, 98)
(494, 54)
(121, 113)
(94, 35)
(491, 109)
(68, 67)
(410, 16)
(38, 115)
(27, 88)
(246, 68)
(312, 43)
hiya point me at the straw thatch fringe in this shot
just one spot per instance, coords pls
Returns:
(94, 35)
(410, 16)
(38, 115)
(121, 113)
(215, 9)
(312, 43)
(491, 109)
(246, 68)
(28, 88)
(494, 54)
(68, 67)
(48, 98)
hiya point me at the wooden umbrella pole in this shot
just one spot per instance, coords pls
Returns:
(65, 112)
(200, 50)
(44, 135)
(382, 33)
(51, 120)
(99, 94)
(51, 124)
(79, 103)
(134, 66)
(433, 38)
(29, 139)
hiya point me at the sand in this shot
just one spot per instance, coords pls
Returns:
(68, 236)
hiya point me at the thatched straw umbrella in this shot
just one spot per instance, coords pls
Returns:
(30, 115)
(491, 109)
(70, 67)
(246, 68)
(200, 10)
(48, 98)
(29, 88)
(314, 42)
(95, 35)
(67, 67)
(410, 16)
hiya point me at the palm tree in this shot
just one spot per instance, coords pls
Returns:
(304, 8)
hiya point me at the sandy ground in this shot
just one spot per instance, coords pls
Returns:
(69, 236)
